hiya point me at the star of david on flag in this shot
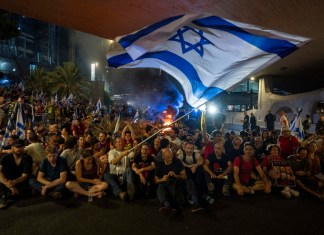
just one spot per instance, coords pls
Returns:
(206, 54)
(187, 46)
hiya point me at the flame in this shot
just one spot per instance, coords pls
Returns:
(167, 120)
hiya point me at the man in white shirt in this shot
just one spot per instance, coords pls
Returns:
(120, 171)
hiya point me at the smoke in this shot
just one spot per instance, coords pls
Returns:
(144, 88)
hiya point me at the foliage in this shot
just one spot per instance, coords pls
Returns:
(38, 81)
(66, 80)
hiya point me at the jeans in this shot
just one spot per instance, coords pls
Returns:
(38, 186)
(114, 182)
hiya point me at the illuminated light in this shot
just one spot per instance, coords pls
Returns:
(196, 110)
(252, 78)
(212, 109)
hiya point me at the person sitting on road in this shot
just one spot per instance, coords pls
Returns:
(144, 166)
(120, 174)
(274, 156)
(217, 171)
(170, 176)
(15, 169)
(88, 179)
(244, 180)
(52, 174)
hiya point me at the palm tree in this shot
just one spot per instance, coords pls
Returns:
(38, 81)
(67, 79)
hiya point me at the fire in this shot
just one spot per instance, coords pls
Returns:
(167, 119)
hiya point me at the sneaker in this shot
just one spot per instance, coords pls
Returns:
(226, 191)
(122, 196)
(210, 200)
(190, 202)
(294, 192)
(3, 201)
(197, 209)
(286, 193)
(130, 191)
(167, 211)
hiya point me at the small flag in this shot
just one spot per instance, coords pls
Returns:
(136, 117)
(20, 126)
(98, 106)
(297, 126)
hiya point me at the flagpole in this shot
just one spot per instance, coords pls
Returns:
(160, 130)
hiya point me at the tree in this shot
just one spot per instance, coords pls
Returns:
(38, 81)
(66, 80)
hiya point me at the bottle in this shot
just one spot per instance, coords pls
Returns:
(90, 196)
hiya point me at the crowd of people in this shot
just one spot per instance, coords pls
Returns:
(181, 166)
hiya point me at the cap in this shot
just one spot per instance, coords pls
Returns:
(285, 128)
(18, 143)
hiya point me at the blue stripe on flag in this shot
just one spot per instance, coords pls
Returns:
(276, 46)
(129, 39)
(199, 90)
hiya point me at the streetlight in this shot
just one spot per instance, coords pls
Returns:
(93, 71)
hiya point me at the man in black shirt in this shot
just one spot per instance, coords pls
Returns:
(15, 169)
(170, 176)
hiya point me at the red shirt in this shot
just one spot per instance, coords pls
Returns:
(209, 149)
(245, 169)
(269, 159)
(287, 145)
(79, 130)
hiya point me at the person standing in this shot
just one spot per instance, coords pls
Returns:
(283, 119)
(253, 122)
(320, 125)
(246, 121)
(306, 124)
(269, 120)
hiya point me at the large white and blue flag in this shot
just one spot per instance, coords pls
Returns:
(20, 125)
(206, 54)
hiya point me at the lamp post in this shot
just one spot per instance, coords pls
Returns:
(93, 71)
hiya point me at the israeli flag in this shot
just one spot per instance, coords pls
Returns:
(206, 54)
(98, 105)
(69, 100)
(136, 117)
(297, 126)
(20, 126)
